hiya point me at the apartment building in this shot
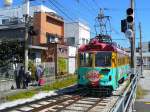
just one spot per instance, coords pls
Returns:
(50, 28)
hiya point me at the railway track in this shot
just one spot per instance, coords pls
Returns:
(70, 102)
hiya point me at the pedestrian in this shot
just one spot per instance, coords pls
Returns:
(22, 77)
(38, 73)
(41, 80)
(28, 77)
(17, 79)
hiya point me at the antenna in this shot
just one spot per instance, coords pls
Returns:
(102, 23)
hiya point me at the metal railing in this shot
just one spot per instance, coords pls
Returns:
(127, 98)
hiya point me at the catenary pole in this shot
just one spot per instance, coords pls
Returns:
(26, 15)
(141, 52)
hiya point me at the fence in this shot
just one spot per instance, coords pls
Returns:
(7, 80)
(49, 71)
(127, 98)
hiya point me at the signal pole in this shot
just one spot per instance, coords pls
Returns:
(141, 54)
(26, 35)
(133, 50)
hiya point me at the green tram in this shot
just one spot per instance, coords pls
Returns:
(102, 65)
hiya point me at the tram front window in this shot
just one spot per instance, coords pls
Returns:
(85, 59)
(103, 59)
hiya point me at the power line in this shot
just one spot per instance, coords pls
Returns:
(61, 10)
(86, 6)
(65, 14)
(61, 5)
(96, 4)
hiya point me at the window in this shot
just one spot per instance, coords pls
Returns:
(85, 59)
(5, 21)
(71, 41)
(54, 21)
(103, 59)
(86, 41)
(50, 38)
(83, 41)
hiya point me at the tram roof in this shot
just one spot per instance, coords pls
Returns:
(100, 46)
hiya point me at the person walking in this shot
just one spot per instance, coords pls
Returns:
(22, 77)
(17, 79)
(41, 80)
(38, 73)
(28, 77)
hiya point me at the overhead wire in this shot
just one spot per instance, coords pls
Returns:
(65, 14)
(70, 18)
(86, 6)
(96, 4)
(64, 8)
(60, 10)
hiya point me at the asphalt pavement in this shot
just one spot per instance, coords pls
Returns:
(143, 104)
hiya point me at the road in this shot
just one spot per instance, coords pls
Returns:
(143, 104)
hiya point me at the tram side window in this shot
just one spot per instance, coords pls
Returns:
(85, 59)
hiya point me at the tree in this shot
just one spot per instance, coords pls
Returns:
(11, 52)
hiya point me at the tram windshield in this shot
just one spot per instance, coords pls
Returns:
(85, 59)
(103, 59)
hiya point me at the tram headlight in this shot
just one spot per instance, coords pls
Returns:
(101, 76)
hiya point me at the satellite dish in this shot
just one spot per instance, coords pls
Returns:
(129, 33)
(8, 2)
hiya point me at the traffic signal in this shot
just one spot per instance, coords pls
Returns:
(130, 17)
(123, 25)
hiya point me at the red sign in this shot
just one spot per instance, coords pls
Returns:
(93, 77)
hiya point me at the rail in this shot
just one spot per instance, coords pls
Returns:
(127, 98)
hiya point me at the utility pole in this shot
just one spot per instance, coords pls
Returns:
(26, 15)
(141, 54)
(133, 50)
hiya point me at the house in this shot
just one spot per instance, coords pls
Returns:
(76, 34)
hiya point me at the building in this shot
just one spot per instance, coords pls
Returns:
(145, 53)
(145, 46)
(12, 26)
(57, 54)
(8, 14)
(49, 34)
(50, 28)
(77, 33)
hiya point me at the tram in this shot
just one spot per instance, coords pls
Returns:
(102, 64)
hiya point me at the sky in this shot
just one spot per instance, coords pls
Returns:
(87, 10)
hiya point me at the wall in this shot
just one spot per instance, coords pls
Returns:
(72, 59)
(72, 30)
(84, 33)
(77, 30)
(43, 25)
